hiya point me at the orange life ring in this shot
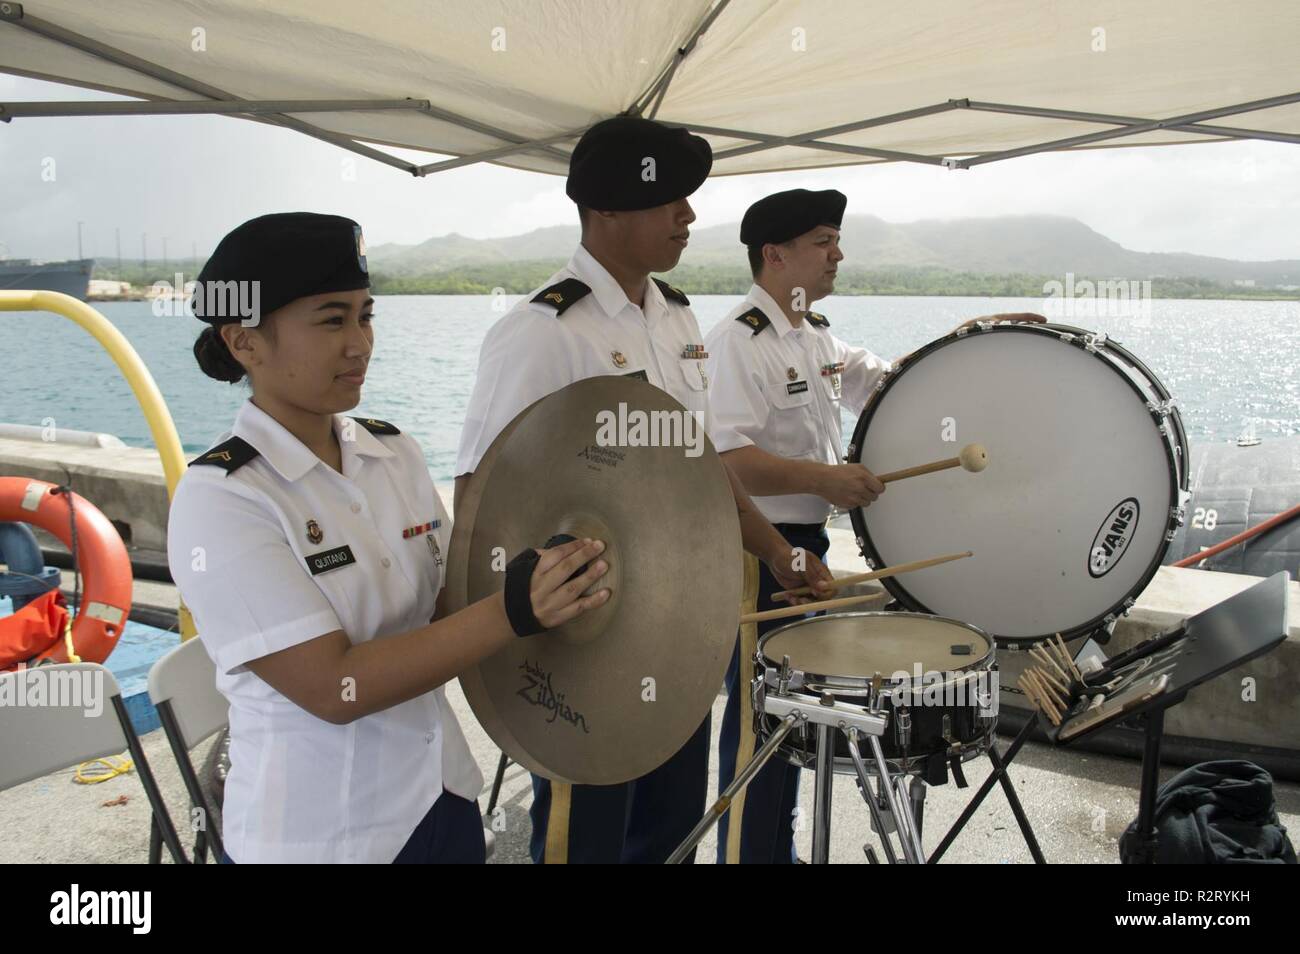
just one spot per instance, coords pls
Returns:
(101, 557)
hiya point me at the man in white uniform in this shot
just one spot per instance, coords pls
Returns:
(602, 315)
(779, 380)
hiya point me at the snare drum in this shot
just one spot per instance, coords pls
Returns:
(1085, 484)
(938, 685)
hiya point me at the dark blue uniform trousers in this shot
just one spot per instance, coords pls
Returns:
(769, 805)
(636, 822)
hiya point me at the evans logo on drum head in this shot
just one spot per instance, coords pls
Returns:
(1113, 538)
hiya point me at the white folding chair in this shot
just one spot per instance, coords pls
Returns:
(183, 688)
(54, 717)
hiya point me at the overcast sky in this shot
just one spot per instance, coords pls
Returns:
(191, 179)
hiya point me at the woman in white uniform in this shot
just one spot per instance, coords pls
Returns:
(310, 548)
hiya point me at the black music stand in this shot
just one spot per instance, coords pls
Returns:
(1207, 645)
(1204, 646)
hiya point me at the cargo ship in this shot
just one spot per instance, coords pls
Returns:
(70, 278)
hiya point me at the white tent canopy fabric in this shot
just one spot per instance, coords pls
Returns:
(773, 84)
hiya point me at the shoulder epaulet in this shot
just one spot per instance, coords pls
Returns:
(816, 320)
(376, 427)
(671, 293)
(755, 319)
(229, 455)
(562, 294)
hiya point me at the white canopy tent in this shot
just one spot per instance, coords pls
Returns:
(773, 84)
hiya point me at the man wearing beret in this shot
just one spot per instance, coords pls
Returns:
(601, 315)
(780, 379)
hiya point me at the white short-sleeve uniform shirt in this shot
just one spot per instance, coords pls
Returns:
(781, 388)
(281, 550)
(539, 347)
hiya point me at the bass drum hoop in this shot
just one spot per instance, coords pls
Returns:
(1175, 437)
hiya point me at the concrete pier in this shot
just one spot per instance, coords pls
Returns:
(127, 484)
(1079, 801)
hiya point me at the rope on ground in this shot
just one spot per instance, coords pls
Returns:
(101, 770)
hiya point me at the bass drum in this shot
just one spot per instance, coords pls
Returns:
(1084, 489)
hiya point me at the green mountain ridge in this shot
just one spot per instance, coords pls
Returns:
(1002, 256)
(1045, 245)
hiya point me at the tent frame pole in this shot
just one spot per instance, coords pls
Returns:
(1129, 126)
(1151, 125)
(51, 31)
(275, 112)
(51, 109)
(85, 44)
(659, 88)
(764, 141)
(514, 139)
(499, 152)
(1225, 132)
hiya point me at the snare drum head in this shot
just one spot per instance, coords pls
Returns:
(1069, 517)
(859, 645)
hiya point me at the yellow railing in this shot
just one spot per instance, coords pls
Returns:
(137, 375)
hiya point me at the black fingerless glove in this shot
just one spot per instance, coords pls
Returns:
(519, 586)
(559, 540)
(518, 594)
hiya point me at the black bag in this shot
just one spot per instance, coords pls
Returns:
(1215, 813)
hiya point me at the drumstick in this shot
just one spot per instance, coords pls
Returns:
(1038, 654)
(1067, 663)
(1031, 691)
(1057, 681)
(1065, 653)
(1041, 655)
(1035, 677)
(808, 608)
(1045, 696)
(1060, 698)
(1023, 683)
(876, 574)
(1043, 705)
(973, 457)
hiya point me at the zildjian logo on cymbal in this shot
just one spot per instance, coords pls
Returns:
(540, 692)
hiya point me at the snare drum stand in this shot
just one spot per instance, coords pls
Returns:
(856, 722)
(1001, 765)
(830, 716)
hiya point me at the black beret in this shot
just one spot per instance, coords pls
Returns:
(608, 171)
(783, 216)
(290, 255)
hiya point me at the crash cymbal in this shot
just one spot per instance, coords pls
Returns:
(613, 694)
